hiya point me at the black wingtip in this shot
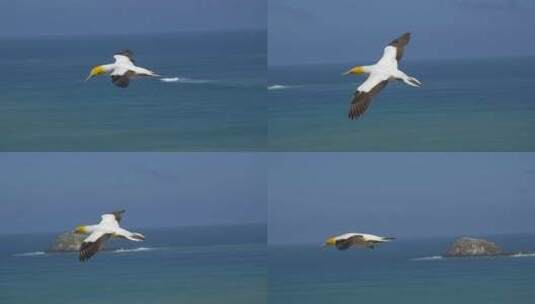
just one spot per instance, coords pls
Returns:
(126, 52)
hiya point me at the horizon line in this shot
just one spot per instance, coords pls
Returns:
(413, 238)
(142, 228)
(282, 65)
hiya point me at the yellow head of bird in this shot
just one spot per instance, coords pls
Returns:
(330, 241)
(98, 70)
(80, 229)
(355, 70)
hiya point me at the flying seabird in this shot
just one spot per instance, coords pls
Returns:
(122, 70)
(101, 232)
(380, 74)
(347, 240)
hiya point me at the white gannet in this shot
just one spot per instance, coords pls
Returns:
(380, 74)
(122, 70)
(346, 240)
(101, 232)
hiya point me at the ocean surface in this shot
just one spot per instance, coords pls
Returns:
(212, 96)
(219, 264)
(403, 271)
(464, 105)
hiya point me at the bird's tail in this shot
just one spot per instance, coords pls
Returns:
(414, 82)
(137, 237)
(388, 238)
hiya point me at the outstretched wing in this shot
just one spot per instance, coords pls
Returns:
(112, 218)
(121, 77)
(343, 244)
(124, 57)
(120, 81)
(364, 96)
(399, 44)
(92, 244)
(358, 240)
(118, 215)
(394, 51)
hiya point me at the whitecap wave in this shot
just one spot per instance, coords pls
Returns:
(138, 249)
(514, 255)
(185, 80)
(278, 87)
(522, 255)
(170, 79)
(429, 258)
(34, 253)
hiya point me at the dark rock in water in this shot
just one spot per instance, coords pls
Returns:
(67, 241)
(466, 247)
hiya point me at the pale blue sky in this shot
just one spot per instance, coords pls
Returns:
(342, 31)
(69, 17)
(55, 191)
(315, 195)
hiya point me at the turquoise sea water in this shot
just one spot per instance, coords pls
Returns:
(464, 105)
(224, 264)
(404, 271)
(216, 103)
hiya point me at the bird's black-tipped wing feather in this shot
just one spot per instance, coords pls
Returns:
(347, 243)
(400, 43)
(342, 244)
(357, 240)
(127, 53)
(121, 81)
(118, 214)
(89, 249)
(361, 100)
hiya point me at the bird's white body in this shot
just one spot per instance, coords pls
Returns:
(347, 240)
(379, 75)
(123, 64)
(366, 237)
(107, 228)
(109, 225)
(122, 70)
(385, 69)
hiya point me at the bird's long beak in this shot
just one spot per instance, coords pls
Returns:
(355, 70)
(89, 77)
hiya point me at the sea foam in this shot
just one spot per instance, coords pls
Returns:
(429, 258)
(139, 249)
(34, 253)
(522, 255)
(278, 87)
(185, 80)
(513, 255)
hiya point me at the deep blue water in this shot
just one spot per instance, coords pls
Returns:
(217, 104)
(403, 271)
(223, 264)
(464, 105)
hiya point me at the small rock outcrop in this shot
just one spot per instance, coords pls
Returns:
(67, 241)
(466, 247)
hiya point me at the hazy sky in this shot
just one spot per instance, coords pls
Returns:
(342, 31)
(316, 195)
(54, 191)
(38, 17)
